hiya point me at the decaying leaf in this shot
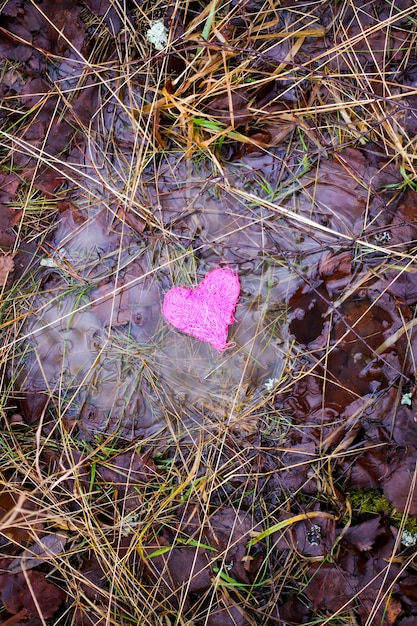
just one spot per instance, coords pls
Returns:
(6, 266)
(16, 594)
(42, 550)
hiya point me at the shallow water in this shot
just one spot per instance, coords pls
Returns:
(99, 347)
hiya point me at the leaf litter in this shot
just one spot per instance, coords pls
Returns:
(145, 474)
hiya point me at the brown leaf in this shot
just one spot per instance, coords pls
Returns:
(170, 571)
(33, 404)
(364, 535)
(6, 266)
(330, 588)
(227, 613)
(110, 14)
(408, 587)
(16, 594)
(86, 617)
(294, 611)
(125, 472)
(399, 486)
(135, 222)
(336, 270)
(18, 517)
(229, 531)
(226, 533)
(314, 538)
(93, 581)
(385, 613)
(401, 285)
(9, 184)
(369, 468)
(8, 218)
(20, 619)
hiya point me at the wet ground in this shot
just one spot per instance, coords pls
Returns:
(98, 344)
(122, 179)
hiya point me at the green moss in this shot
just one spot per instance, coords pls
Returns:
(369, 501)
(366, 502)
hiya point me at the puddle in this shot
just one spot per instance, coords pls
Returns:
(97, 345)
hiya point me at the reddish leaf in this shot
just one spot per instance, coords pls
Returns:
(16, 595)
(369, 468)
(227, 613)
(9, 184)
(126, 472)
(399, 486)
(363, 535)
(18, 529)
(42, 550)
(6, 266)
(330, 588)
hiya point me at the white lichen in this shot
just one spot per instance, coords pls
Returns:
(406, 399)
(271, 383)
(157, 35)
(408, 539)
(129, 524)
(48, 262)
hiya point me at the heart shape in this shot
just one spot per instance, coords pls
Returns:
(207, 311)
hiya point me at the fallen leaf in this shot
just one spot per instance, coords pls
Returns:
(363, 535)
(399, 485)
(42, 550)
(6, 266)
(228, 612)
(18, 517)
(330, 588)
(222, 539)
(17, 595)
(128, 472)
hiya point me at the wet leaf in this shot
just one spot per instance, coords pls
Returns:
(294, 611)
(330, 588)
(44, 549)
(217, 548)
(170, 570)
(18, 516)
(400, 485)
(229, 612)
(8, 219)
(369, 468)
(364, 535)
(127, 473)
(288, 522)
(17, 595)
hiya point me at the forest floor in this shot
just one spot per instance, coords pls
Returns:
(147, 477)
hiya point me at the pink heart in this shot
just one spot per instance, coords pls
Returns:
(207, 311)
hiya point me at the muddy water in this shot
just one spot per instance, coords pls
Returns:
(97, 345)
